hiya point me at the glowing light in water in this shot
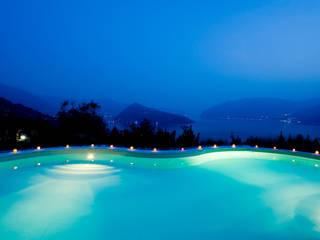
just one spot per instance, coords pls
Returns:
(111, 160)
(293, 160)
(38, 164)
(15, 167)
(316, 165)
(131, 163)
(90, 156)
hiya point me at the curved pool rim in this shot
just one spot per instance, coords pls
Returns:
(143, 153)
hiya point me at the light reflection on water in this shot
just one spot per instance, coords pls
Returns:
(53, 202)
(288, 194)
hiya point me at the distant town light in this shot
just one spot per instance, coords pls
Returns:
(15, 150)
(316, 152)
(200, 147)
(233, 145)
(92, 145)
(38, 148)
(256, 146)
(274, 148)
(215, 146)
(155, 150)
(293, 150)
(111, 147)
(182, 149)
(67, 146)
(131, 148)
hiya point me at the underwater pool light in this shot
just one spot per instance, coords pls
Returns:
(90, 156)
(316, 165)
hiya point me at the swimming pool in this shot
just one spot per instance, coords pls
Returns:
(95, 193)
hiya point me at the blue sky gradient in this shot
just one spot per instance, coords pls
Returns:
(184, 55)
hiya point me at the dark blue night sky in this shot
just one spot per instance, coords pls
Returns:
(190, 53)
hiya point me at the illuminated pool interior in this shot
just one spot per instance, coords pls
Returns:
(96, 194)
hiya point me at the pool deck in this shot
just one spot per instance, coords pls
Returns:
(145, 153)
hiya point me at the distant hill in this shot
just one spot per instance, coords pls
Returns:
(50, 104)
(20, 111)
(137, 112)
(305, 112)
(17, 95)
(110, 107)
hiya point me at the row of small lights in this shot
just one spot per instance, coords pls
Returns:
(91, 156)
(156, 150)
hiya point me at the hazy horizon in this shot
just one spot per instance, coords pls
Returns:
(171, 55)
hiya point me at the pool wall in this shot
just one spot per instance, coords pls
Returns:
(9, 156)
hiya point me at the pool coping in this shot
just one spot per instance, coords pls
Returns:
(29, 153)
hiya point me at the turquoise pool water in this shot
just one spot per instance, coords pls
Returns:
(220, 195)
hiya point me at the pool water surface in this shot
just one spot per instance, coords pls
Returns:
(220, 195)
